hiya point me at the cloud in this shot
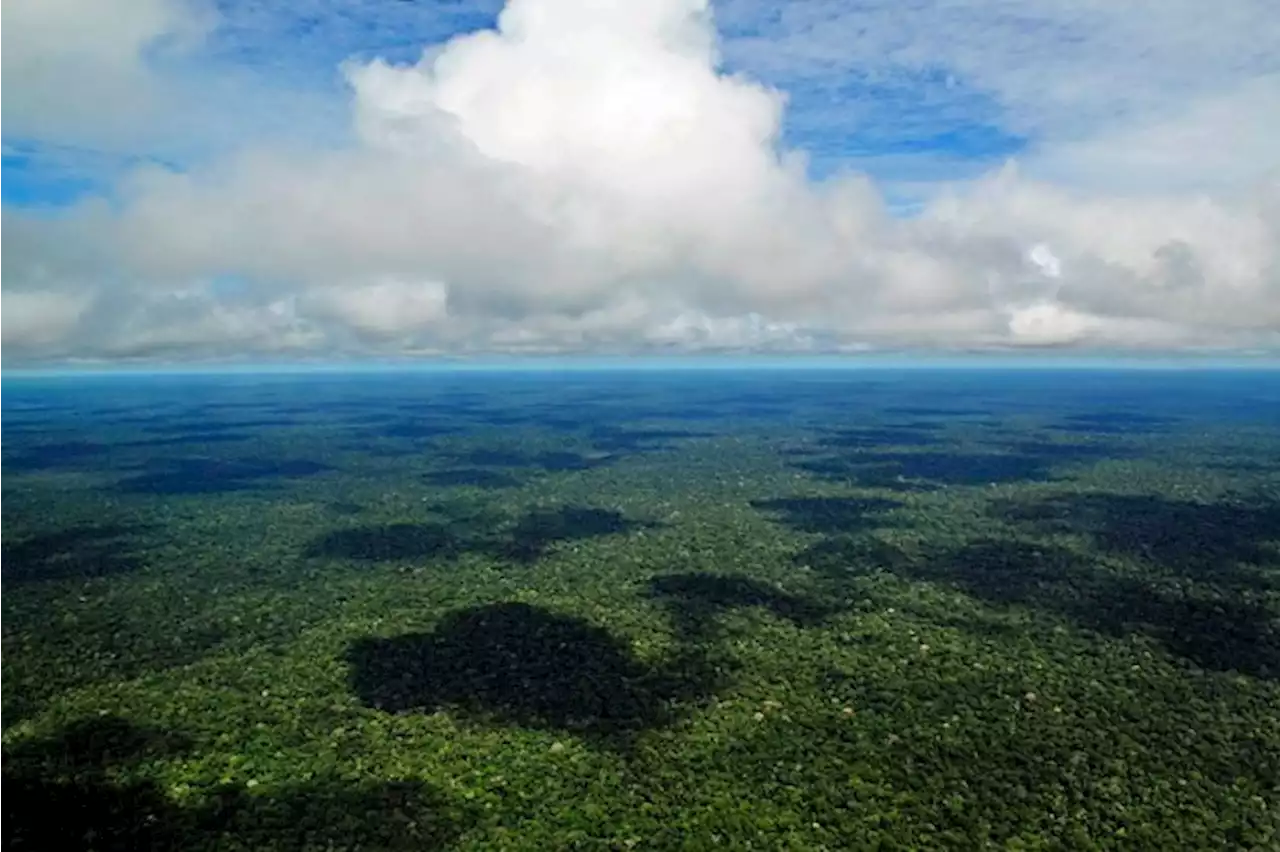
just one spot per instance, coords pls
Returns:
(1221, 139)
(79, 71)
(34, 319)
(588, 176)
(187, 324)
(383, 309)
(1057, 68)
(1210, 266)
(97, 87)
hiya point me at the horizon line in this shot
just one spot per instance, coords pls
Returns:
(1101, 361)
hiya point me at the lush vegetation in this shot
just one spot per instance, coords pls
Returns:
(803, 611)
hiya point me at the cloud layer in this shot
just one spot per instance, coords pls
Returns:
(588, 177)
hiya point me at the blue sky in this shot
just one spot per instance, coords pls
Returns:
(30, 182)
(186, 180)
(915, 123)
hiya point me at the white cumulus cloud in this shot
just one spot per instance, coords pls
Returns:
(587, 176)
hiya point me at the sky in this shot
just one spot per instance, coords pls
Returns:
(188, 181)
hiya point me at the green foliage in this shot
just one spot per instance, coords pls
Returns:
(789, 634)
